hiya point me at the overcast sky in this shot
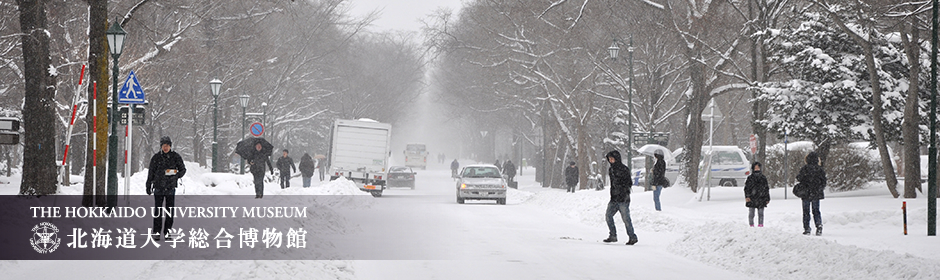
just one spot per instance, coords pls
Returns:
(400, 14)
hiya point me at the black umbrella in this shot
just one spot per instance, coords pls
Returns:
(246, 148)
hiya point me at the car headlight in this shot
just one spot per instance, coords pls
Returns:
(463, 186)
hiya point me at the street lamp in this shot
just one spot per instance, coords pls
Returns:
(243, 100)
(264, 116)
(215, 84)
(115, 36)
(614, 50)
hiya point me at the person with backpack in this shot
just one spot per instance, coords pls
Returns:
(756, 194)
(810, 189)
(620, 185)
(307, 168)
(659, 178)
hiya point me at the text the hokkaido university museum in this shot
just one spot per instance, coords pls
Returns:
(178, 212)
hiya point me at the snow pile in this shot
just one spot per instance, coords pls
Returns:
(774, 254)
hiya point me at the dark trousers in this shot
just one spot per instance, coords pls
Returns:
(285, 180)
(817, 218)
(571, 187)
(259, 184)
(162, 225)
(322, 173)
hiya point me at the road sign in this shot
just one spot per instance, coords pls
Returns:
(707, 113)
(7, 138)
(131, 92)
(9, 124)
(753, 142)
(9, 131)
(138, 116)
(256, 129)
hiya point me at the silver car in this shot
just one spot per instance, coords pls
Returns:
(481, 182)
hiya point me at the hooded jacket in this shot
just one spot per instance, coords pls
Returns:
(757, 189)
(571, 175)
(813, 178)
(307, 166)
(620, 181)
(659, 173)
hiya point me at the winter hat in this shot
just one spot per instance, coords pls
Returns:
(757, 164)
(571, 163)
(165, 140)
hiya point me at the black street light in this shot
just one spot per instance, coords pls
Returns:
(614, 50)
(115, 36)
(243, 100)
(215, 84)
(264, 116)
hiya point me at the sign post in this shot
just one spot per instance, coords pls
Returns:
(131, 93)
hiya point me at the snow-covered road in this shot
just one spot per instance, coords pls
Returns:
(482, 240)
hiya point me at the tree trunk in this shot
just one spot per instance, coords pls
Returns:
(695, 127)
(39, 116)
(909, 129)
(98, 76)
(878, 117)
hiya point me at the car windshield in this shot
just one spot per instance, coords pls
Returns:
(481, 172)
(398, 169)
(727, 158)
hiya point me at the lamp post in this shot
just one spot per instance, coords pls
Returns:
(614, 50)
(215, 84)
(264, 116)
(243, 100)
(115, 36)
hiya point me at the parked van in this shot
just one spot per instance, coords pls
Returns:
(729, 166)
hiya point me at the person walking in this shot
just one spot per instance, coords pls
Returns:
(571, 176)
(812, 183)
(453, 168)
(498, 165)
(322, 167)
(284, 165)
(166, 168)
(307, 168)
(256, 164)
(620, 184)
(756, 194)
(659, 180)
(510, 170)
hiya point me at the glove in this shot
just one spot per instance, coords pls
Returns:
(149, 190)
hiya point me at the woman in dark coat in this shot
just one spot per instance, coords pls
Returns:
(307, 168)
(756, 194)
(812, 182)
(659, 177)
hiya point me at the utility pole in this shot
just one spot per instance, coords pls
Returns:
(932, 160)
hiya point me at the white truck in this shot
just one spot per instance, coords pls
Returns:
(359, 151)
(416, 156)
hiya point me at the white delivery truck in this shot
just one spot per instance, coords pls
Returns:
(416, 156)
(359, 151)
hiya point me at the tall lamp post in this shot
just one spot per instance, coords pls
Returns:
(115, 36)
(215, 84)
(243, 100)
(614, 50)
(264, 116)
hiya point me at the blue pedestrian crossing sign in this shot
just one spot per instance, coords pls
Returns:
(131, 92)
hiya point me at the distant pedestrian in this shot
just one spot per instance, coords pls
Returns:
(321, 165)
(498, 166)
(510, 170)
(284, 165)
(756, 195)
(659, 180)
(812, 183)
(256, 163)
(166, 168)
(620, 184)
(307, 168)
(453, 168)
(571, 176)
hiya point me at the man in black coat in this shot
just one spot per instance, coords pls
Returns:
(453, 168)
(256, 163)
(620, 184)
(284, 165)
(756, 194)
(571, 176)
(510, 170)
(166, 167)
(812, 179)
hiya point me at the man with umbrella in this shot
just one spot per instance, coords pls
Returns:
(257, 151)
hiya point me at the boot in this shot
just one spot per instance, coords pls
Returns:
(631, 242)
(806, 231)
(610, 239)
(818, 230)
